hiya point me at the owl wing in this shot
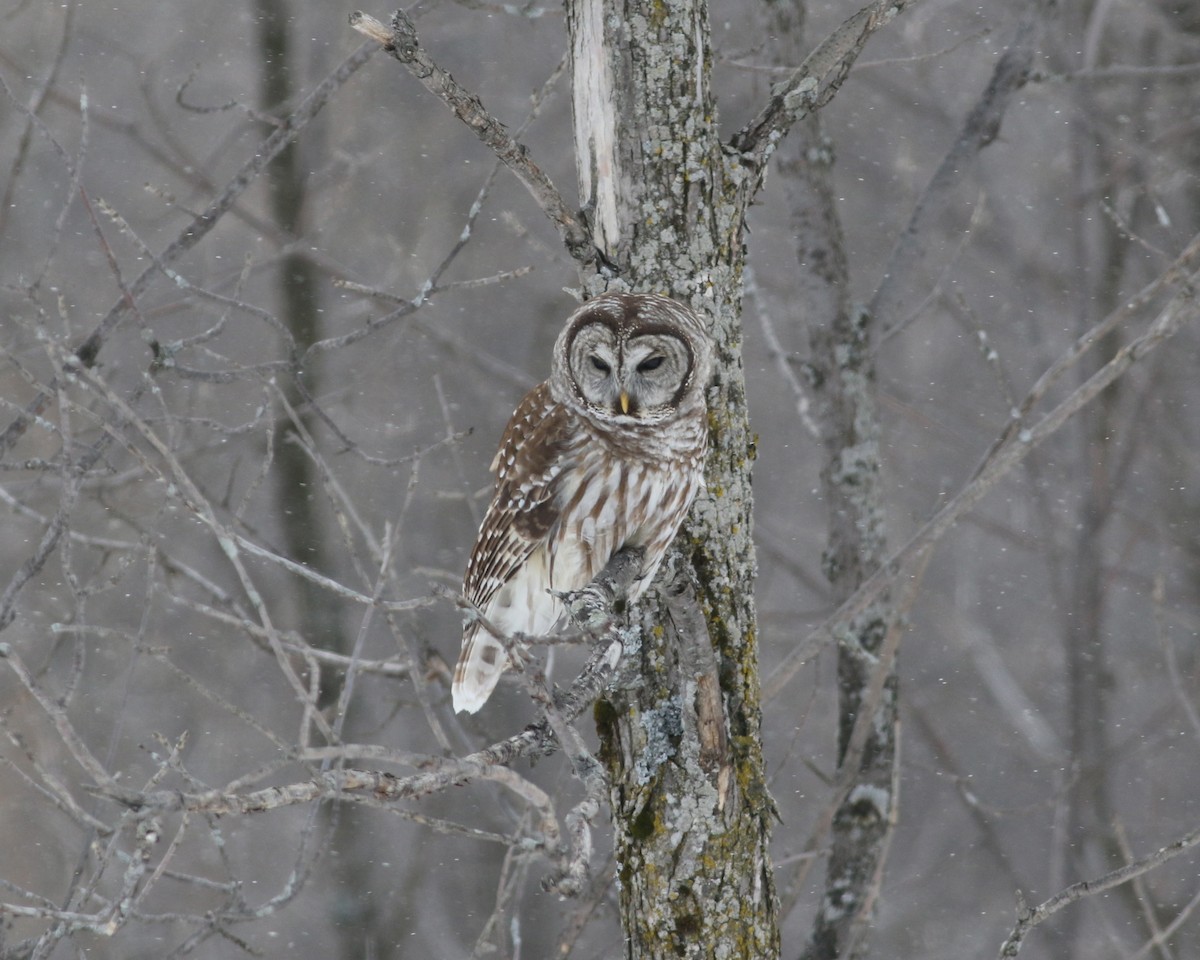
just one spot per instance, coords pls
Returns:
(528, 467)
(535, 453)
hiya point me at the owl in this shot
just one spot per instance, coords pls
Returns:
(607, 453)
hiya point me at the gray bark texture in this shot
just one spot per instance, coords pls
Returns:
(690, 806)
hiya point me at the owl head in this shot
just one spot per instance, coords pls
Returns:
(632, 359)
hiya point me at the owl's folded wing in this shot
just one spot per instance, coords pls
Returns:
(530, 465)
(531, 461)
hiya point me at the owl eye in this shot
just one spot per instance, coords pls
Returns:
(653, 363)
(599, 364)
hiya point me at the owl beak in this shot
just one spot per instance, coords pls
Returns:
(624, 402)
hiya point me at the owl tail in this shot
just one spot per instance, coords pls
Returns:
(483, 660)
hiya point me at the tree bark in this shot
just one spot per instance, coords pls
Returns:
(843, 374)
(683, 750)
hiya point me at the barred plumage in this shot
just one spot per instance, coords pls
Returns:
(607, 453)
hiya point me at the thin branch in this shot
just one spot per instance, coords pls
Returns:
(779, 355)
(1141, 900)
(36, 101)
(1027, 919)
(1122, 71)
(1169, 930)
(62, 723)
(402, 43)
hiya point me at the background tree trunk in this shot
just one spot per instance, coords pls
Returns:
(295, 475)
(841, 376)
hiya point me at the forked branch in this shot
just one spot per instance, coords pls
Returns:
(813, 84)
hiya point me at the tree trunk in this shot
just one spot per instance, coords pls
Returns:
(842, 362)
(842, 370)
(683, 750)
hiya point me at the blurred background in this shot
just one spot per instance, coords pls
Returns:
(1050, 675)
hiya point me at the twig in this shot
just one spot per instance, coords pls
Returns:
(1027, 919)
(513, 871)
(1122, 71)
(53, 789)
(36, 101)
(1169, 930)
(1141, 901)
(402, 43)
(62, 723)
(391, 536)
(779, 355)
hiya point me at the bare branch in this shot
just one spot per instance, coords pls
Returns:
(979, 129)
(1122, 71)
(1027, 919)
(779, 355)
(402, 43)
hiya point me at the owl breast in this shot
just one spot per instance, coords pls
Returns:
(620, 497)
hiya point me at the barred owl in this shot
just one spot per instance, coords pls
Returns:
(607, 453)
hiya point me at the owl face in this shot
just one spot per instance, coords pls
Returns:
(632, 359)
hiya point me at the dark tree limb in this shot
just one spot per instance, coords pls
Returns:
(979, 129)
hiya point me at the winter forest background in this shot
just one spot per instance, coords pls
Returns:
(158, 500)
